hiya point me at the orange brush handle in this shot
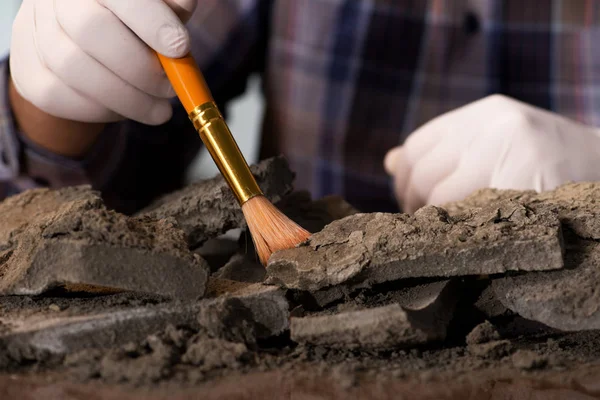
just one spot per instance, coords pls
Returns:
(193, 92)
(187, 80)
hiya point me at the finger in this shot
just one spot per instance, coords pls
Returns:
(36, 83)
(155, 23)
(422, 140)
(90, 78)
(100, 34)
(460, 184)
(434, 167)
(398, 166)
(183, 8)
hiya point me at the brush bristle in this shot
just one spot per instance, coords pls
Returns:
(271, 230)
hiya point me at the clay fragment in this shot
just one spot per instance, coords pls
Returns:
(416, 315)
(567, 300)
(80, 245)
(206, 209)
(380, 247)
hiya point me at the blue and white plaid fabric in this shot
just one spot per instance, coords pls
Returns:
(345, 81)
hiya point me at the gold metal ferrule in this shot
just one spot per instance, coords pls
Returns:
(219, 141)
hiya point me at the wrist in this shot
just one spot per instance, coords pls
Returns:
(64, 137)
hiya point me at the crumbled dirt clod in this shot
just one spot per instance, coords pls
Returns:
(496, 349)
(384, 247)
(207, 209)
(211, 353)
(526, 359)
(483, 333)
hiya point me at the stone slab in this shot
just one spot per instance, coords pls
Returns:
(79, 244)
(423, 317)
(567, 300)
(40, 330)
(382, 247)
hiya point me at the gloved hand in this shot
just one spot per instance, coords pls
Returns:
(495, 142)
(91, 60)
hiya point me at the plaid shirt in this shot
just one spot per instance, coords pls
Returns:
(344, 81)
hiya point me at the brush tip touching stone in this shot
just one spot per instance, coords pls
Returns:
(271, 230)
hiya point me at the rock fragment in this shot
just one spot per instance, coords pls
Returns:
(380, 247)
(495, 350)
(246, 313)
(207, 209)
(30, 331)
(80, 245)
(423, 317)
(567, 300)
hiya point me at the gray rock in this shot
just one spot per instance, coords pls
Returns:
(380, 247)
(246, 312)
(80, 245)
(32, 332)
(488, 304)
(424, 317)
(567, 300)
(44, 338)
(375, 328)
(207, 209)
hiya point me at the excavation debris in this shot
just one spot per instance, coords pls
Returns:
(208, 208)
(416, 315)
(382, 247)
(31, 331)
(68, 239)
(567, 299)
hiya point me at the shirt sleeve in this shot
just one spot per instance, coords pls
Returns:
(131, 164)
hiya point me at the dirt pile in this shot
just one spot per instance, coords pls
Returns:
(499, 287)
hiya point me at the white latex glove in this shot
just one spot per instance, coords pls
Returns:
(91, 60)
(495, 142)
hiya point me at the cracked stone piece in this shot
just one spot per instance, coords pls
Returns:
(489, 305)
(373, 328)
(44, 337)
(566, 300)
(576, 204)
(208, 208)
(245, 312)
(423, 317)
(382, 247)
(32, 332)
(80, 245)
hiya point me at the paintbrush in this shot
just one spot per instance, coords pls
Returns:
(270, 229)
